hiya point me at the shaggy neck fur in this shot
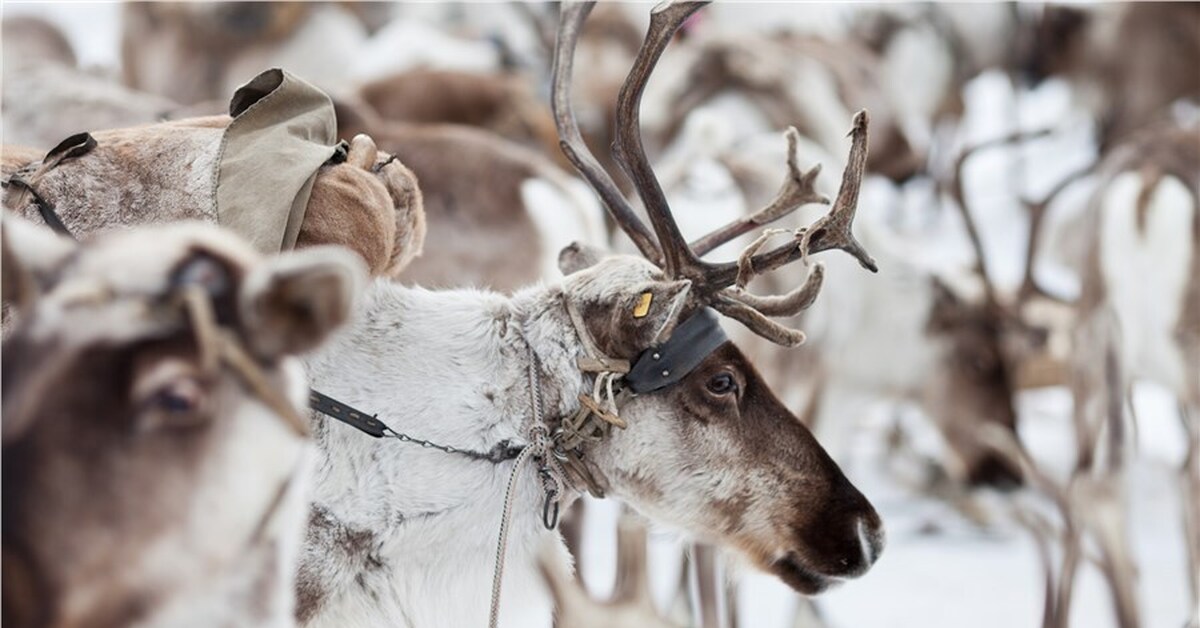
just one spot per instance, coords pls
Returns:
(401, 535)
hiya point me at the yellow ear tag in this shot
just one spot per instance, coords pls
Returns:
(643, 306)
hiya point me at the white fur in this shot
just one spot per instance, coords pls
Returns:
(563, 211)
(437, 516)
(1146, 274)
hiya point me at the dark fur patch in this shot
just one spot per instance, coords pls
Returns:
(331, 537)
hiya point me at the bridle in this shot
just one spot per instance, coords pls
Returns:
(558, 452)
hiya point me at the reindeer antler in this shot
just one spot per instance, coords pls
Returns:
(798, 189)
(715, 284)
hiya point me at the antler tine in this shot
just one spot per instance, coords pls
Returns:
(1037, 213)
(789, 304)
(756, 321)
(665, 20)
(571, 141)
(960, 201)
(796, 191)
(831, 231)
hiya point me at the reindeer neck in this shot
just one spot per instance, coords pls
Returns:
(450, 367)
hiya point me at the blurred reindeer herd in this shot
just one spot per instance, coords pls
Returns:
(155, 432)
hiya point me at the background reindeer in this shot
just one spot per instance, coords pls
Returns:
(943, 76)
(156, 467)
(367, 201)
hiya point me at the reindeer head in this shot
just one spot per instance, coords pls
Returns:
(986, 342)
(708, 446)
(152, 434)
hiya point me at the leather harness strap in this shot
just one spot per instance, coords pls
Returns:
(372, 426)
(357, 419)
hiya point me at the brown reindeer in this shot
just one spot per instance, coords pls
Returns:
(199, 52)
(497, 212)
(1129, 61)
(766, 72)
(502, 104)
(1091, 504)
(368, 202)
(155, 458)
(994, 346)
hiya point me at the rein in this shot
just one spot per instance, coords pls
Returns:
(558, 453)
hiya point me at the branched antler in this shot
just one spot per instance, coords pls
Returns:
(719, 285)
(571, 141)
(798, 189)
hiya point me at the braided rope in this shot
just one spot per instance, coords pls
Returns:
(539, 448)
(502, 543)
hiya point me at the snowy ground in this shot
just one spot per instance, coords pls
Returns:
(938, 569)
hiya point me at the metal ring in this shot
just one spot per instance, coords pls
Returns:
(550, 519)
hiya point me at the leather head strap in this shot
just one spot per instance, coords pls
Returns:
(668, 363)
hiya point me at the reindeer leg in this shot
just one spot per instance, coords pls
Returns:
(1189, 479)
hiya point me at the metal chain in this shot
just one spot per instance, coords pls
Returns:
(502, 451)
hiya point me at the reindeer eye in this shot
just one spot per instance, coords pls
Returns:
(722, 384)
(178, 403)
(180, 397)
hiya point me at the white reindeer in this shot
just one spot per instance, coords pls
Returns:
(1139, 310)
(402, 535)
(156, 465)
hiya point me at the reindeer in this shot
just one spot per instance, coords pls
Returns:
(503, 104)
(156, 464)
(1140, 299)
(491, 382)
(834, 73)
(47, 96)
(941, 47)
(497, 212)
(222, 45)
(1127, 62)
(368, 201)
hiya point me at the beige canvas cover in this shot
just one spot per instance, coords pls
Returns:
(283, 129)
(252, 173)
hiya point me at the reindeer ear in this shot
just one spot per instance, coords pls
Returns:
(577, 256)
(29, 254)
(640, 316)
(656, 309)
(293, 302)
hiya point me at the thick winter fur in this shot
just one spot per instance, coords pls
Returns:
(803, 81)
(498, 212)
(1144, 255)
(1128, 62)
(165, 172)
(503, 104)
(1140, 307)
(402, 535)
(142, 487)
(193, 52)
(47, 97)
